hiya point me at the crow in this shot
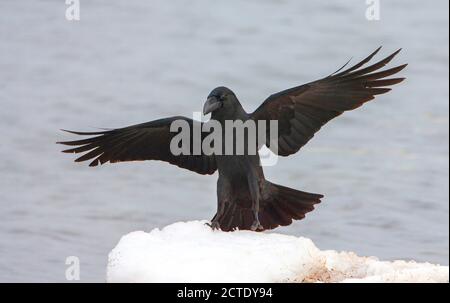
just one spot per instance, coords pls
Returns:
(246, 200)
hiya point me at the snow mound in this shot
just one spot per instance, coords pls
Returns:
(192, 252)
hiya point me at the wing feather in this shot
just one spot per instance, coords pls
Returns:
(146, 141)
(301, 111)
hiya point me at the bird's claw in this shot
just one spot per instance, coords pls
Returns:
(214, 225)
(256, 226)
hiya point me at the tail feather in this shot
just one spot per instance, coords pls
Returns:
(287, 204)
(278, 208)
(279, 216)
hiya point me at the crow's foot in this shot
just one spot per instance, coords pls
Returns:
(256, 226)
(214, 225)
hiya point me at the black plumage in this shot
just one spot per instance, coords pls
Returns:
(246, 200)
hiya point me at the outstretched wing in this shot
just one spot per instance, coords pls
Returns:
(146, 141)
(301, 111)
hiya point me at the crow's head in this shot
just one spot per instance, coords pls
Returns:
(221, 99)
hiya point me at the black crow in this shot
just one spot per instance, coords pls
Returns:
(246, 200)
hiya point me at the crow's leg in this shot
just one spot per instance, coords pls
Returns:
(254, 192)
(223, 193)
(215, 221)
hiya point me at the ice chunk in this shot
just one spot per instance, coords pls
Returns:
(192, 252)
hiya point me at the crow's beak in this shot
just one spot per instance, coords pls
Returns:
(211, 105)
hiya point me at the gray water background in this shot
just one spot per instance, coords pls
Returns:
(383, 168)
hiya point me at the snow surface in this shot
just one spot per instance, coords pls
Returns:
(192, 252)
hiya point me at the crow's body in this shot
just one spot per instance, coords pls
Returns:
(246, 200)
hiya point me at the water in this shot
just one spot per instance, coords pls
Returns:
(383, 168)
